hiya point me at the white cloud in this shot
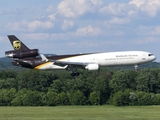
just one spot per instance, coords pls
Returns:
(156, 31)
(30, 26)
(52, 17)
(37, 36)
(17, 26)
(39, 24)
(76, 8)
(147, 40)
(149, 30)
(67, 24)
(151, 7)
(97, 2)
(47, 36)
(114, 9)
(72, 43)
(116, 20)
(71, 9)
(138, 3)
(89, 30)
(50, 8)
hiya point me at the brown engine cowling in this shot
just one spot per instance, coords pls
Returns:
(22, 54)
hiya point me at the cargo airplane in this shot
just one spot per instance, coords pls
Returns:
(30, 58)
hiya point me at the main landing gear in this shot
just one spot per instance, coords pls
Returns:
(136, 68)
(74, 72)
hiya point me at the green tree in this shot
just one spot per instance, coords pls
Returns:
(8, 83)
(144, 98)
(63, 98)
(19, 97)
(52, 99)
(57, 86)
(27, 98)
(34, 80)
(156, 99)
(120, 98)
(156, 82)
(101, 84)
(4, 74)
(77, 98)
(6, 96)
(143, 80)
(94, 98)
(122, 80)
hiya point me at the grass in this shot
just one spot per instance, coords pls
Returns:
(80, 113)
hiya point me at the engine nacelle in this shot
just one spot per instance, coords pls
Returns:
(23, 54)
(92, 67)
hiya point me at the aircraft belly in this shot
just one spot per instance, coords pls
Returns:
(130, 61)
(49, 66)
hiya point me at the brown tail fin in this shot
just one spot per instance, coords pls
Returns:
(17, 44)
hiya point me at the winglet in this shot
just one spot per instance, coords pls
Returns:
(44, 58)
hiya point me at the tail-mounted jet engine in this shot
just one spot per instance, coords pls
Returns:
(22, 54)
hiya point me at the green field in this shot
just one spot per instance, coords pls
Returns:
(80, 113)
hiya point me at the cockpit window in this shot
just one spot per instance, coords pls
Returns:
(150, 54)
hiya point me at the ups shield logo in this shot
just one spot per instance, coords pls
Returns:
(17, 45)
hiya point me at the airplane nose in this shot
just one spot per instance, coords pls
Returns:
(154, 57)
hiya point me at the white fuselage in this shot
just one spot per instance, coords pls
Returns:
(107, 59)
(114, 58)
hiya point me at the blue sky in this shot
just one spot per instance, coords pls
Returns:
(82, 26)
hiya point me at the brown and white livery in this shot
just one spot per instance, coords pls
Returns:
(30, 58)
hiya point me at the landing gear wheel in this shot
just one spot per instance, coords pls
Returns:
(77, 74)
(74, 74)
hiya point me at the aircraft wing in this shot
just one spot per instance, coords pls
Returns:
(75, 64)
(64, 63)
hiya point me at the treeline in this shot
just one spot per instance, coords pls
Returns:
(50, 88)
